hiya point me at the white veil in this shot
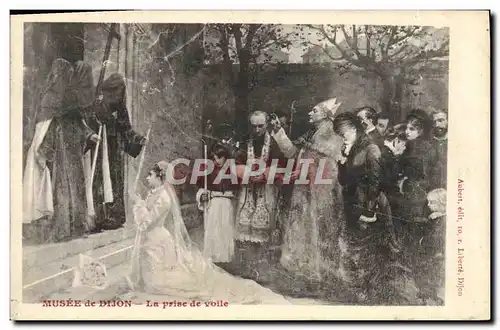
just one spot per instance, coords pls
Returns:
(203, 278)
(188, 255)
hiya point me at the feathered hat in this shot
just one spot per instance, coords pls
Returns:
(420, 116)
(329, 107)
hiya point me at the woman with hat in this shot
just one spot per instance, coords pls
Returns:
(368, 233)
(418, 159)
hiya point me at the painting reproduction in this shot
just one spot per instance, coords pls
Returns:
(250, 166)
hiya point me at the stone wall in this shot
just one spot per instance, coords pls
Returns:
(170, 104)
(308, 84)
(174, 96)
(164, 97)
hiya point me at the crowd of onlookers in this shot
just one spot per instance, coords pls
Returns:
(413, 177)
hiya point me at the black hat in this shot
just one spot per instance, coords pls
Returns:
(418, 114)
(422, 117)
(347, 119)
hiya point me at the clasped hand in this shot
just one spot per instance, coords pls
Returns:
(135, 198)
(275, 125)
(396, 146)
(204, 197)
(95, 138)
(42, 162)
(401, 184)
(341, 159)
(364, 218)
(258, 179)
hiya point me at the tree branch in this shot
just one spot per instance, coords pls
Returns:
(264, 46)
(178, 49)
(368, 46)
(385, 50)
(224, 46)
(235, 30)
(407, 35)
(333, 41)
(327, 52)
(361, 62)
(349, 40)
(399, 51)
(443, 50)
(252, 29)
(366, 62)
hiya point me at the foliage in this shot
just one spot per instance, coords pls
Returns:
(382, 50)
(248, 43)
(390, 53)
(251, 47)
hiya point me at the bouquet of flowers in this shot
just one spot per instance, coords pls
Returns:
(90, 273)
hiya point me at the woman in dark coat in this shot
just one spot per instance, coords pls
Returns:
(392, 169)
(367, 234)
(417, 160)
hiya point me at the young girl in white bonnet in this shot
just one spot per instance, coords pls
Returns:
(432, 250)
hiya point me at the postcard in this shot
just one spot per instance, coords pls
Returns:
(260, 165)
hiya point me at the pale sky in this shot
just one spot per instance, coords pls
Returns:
(297, 51)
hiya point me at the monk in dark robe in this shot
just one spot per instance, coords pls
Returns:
(63, 146)
(120, 139)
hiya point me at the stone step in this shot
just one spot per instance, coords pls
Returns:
(43, 281)
(116, 282)
(83, 293)
(60, 286)
(51, 269)
(34, 256)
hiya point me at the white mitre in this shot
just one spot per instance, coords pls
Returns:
(329, 107)
(163, 165)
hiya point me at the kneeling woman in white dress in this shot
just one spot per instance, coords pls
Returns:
(169, 264)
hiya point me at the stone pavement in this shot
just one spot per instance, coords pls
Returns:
(104, 245)
(116, 287)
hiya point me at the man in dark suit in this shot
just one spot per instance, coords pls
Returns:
(369, 119)
(440, 144)
(383, 122)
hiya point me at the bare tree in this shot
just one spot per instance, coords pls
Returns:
(388, 52)
(249, 46)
